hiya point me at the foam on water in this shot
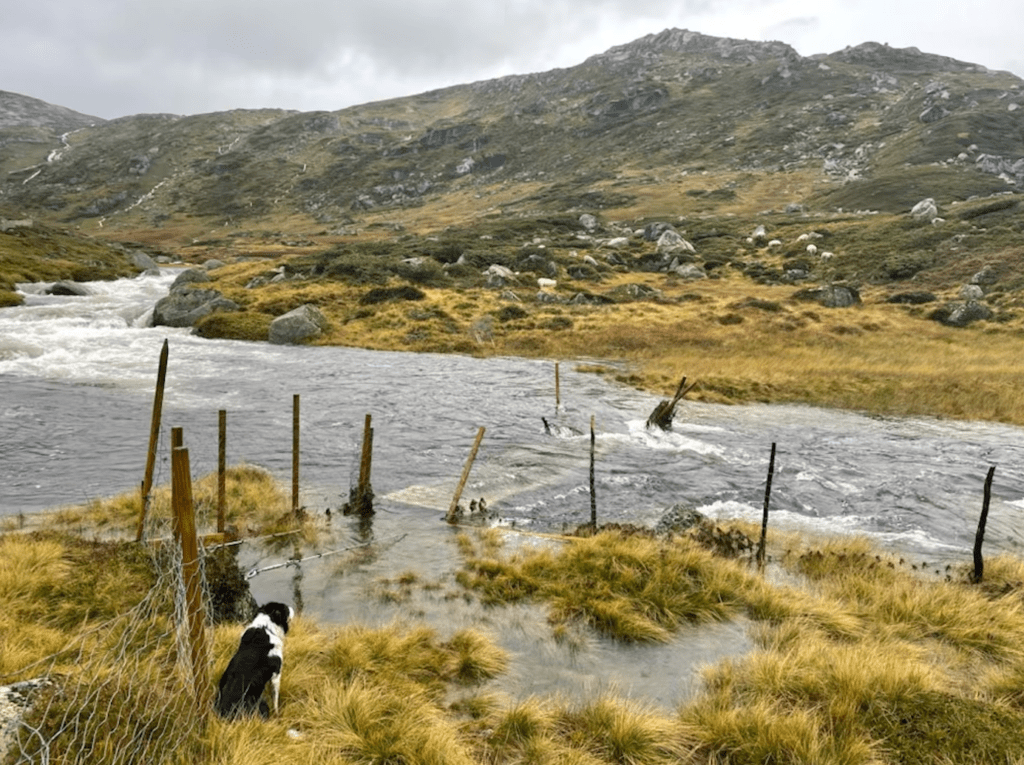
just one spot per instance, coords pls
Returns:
(76, 379)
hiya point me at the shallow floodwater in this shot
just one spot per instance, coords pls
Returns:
(76, 391)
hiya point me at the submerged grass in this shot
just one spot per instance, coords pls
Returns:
(859, 661)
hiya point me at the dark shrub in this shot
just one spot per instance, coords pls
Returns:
(386, 294)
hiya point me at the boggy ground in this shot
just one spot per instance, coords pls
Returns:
(859, 658)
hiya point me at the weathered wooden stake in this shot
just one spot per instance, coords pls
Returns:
(295, 454)
(979, 537)
(177, 442)
(764, 516)
(222, 449)
(154, 438)
(558, 392)
(453, 514)
(361, 498)
(593, 492)
(181, 500)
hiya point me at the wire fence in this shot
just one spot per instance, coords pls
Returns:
(121, 692)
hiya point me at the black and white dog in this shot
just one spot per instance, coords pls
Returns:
(257, 662)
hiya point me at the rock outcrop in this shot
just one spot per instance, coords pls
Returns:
(184, 306)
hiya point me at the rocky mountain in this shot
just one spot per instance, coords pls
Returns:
(673, 123)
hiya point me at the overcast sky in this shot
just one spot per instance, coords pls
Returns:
(111, 58)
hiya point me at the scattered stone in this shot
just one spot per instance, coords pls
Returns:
(190, 276)
(15, 700)
(73, 289)
(679, 518)
(670, 243)
(926, 209)
(589, 222)
(985, 277)
(917, 297)
(831, 296)
(962, 314)
(633, 291)
(144, 262)
(187, 305)
(971, 292)
(690, 272)
(303, 323)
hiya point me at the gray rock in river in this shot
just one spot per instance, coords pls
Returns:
(187, 305)
(304, 323)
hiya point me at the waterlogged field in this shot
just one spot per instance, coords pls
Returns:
(852, 655)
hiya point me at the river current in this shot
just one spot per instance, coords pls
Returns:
(76, 390)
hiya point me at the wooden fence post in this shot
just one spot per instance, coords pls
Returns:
(154, 438)
(184, 512)
(360, 498)
(222, 436)
(453, 514)
(593, 492)
(295, 454)
(979, 536)
(177, 442)
(764, 516)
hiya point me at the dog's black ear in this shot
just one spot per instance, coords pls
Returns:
(279, 613)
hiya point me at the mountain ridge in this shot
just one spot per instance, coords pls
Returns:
(867, 127)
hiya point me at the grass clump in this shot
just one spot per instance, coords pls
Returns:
(254, 503)
(631, 587)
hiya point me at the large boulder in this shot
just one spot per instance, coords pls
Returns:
(304, 323)
(962, 314)
(184, 306)
(926, 209)
(188, 277)
(830, 296)
(672, 243)
(144, 262)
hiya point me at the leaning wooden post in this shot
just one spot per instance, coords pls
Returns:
(181, 500)
(593, 492)
(154, 438)
(295, 454)
(453, 514)
(222, 446)
(979, 537)
(764, 516)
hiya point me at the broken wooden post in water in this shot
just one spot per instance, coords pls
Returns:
(979, 537)
(360, 498)
(185, 522)
(593, 492)
(764, 517)
(454, 511)
(154, 437)
(222, 436)
(295, 454)
(666, 410)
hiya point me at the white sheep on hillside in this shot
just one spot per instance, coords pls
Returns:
(812, 249)
(545, 283)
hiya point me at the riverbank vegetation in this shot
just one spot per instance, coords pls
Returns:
(859, 656)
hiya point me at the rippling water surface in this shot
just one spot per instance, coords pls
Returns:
(76, 390)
